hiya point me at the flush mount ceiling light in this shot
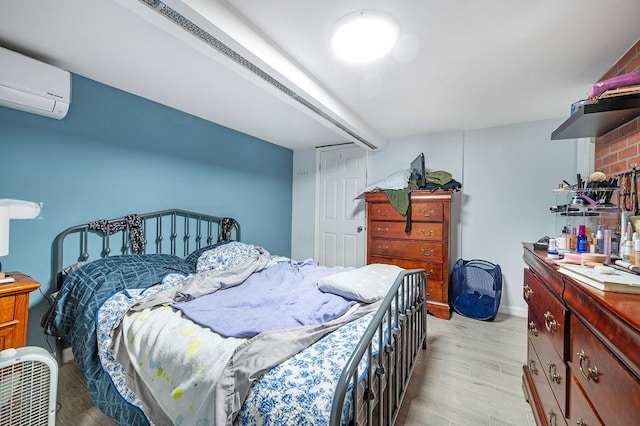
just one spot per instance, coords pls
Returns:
(364, 35)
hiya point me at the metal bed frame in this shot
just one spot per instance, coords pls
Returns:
(178, 223)
(379, 392)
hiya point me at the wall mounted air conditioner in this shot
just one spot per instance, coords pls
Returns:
(29, 85)
(28, 387)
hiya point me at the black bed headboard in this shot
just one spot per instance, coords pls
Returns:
(176, 232)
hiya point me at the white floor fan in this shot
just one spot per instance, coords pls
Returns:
(28, 387)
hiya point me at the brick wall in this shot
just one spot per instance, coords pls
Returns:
(619, 150)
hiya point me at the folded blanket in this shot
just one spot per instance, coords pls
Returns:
(627, 79)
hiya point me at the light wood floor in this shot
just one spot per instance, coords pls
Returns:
(470, 374)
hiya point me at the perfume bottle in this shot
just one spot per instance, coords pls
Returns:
(581, 242)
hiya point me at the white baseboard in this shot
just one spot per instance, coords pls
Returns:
(513, 310)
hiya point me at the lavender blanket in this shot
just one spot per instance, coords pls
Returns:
(280, 297)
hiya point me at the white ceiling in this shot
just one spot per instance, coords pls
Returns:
(460, 64)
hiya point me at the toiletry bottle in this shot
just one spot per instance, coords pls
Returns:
(581, 242)
(607, 244)
(627, 250)
(599, 242)
(563, 241)
(552, 251)
(636, 249)
(572, 239)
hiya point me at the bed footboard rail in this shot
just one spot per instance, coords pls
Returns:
(390, 346)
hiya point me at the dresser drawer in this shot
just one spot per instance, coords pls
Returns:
(416, 250)
(385, 212)
(613, 390)
(549, 313)
(554, 415)
(7, 332)
(551, 365)
(580, 410)
(7, 308)
(427, 212)
(420, 212)
(435, 292)
(433, 270)
(426, 231)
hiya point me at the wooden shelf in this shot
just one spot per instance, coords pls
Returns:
(599, 118)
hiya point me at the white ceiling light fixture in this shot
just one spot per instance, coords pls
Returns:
(364, 35)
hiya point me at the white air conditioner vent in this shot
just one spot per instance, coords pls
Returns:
(28, 387)
(33, 86)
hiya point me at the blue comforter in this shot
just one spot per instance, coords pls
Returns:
(276, 298)
(74, 316)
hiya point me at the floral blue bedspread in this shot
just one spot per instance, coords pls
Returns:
(299, 391)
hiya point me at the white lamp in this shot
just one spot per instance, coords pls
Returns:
(13, 209)
(364, 35)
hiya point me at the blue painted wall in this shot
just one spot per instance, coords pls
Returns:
(116, 153)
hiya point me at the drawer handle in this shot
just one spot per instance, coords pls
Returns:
(430, 234)
(533, 329)
(592, 373)
(550, 323)
(424, 253)
(528, 291)
(382, 231)
(429, 273)
(382, 249)
(553, 375)
(532, 367)
(552, 417)
(382, 213)
(581, 422)
(426, 213)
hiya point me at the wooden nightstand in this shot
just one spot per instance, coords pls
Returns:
(14, 310)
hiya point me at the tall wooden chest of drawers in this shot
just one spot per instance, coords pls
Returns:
(426, 246)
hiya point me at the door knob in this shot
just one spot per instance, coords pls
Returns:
(359, 228)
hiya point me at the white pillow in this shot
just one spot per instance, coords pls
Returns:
(397, 180)
(367, 284)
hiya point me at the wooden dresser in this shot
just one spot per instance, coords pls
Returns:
(14, 310)
(426, 246)
(583, 357)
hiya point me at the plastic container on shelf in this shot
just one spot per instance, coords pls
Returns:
(586, 212)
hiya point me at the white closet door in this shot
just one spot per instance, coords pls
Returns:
(340, 235)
